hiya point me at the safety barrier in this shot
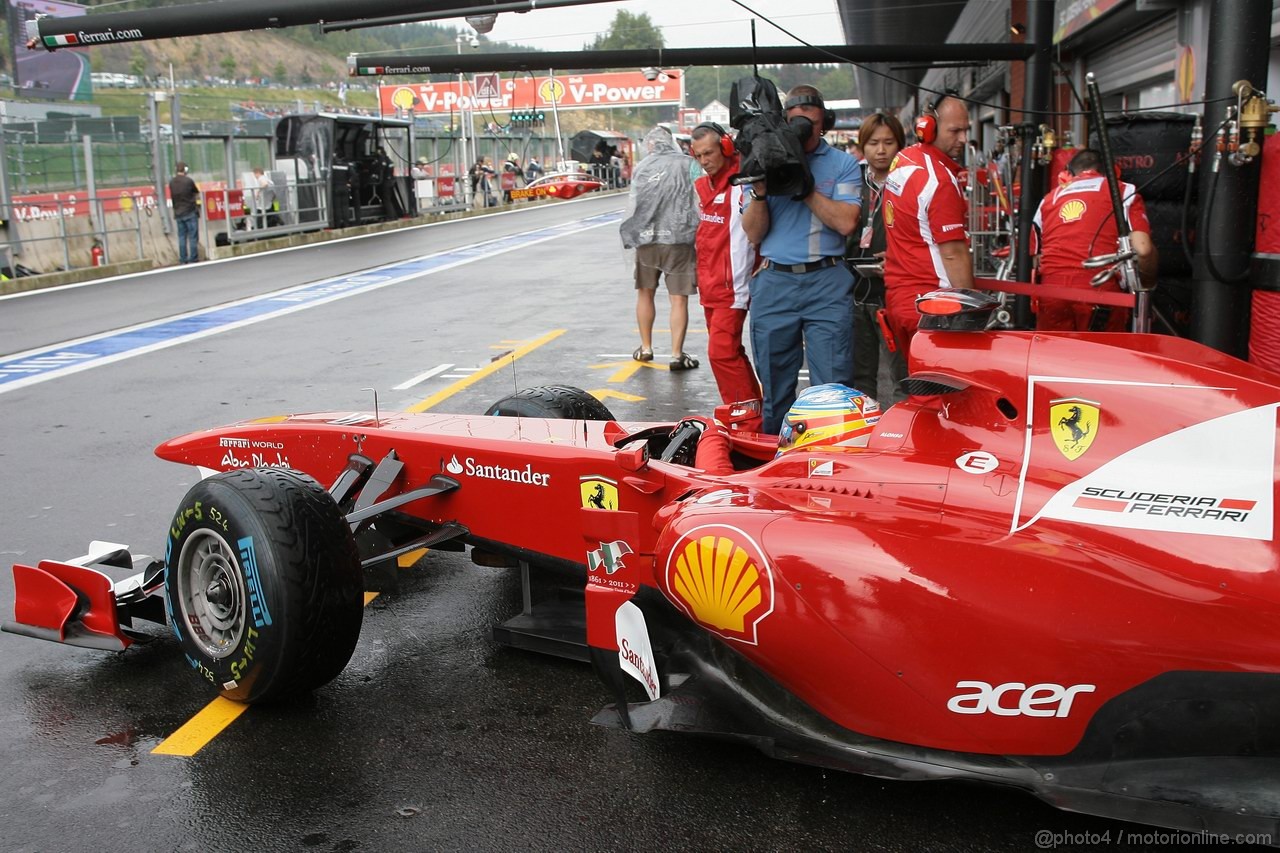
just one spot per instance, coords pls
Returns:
(77, 231)
(230, 216)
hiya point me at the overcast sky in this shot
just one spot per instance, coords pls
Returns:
(684, 23)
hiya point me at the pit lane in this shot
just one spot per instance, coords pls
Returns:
(434, 736)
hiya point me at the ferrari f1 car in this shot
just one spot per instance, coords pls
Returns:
(1053, 567)
(561, 185)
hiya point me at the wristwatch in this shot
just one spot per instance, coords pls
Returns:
(755, 196)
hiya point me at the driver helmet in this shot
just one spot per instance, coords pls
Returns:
(828, 416)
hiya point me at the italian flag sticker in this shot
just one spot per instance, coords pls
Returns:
(59, 41)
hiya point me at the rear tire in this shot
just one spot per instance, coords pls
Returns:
(552, 401)
(263, 584)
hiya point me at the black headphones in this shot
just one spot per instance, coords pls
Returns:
(726, 141)
(828, 116)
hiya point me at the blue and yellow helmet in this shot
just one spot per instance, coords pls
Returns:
(828, 415)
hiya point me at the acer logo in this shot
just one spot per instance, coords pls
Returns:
(1016, 699)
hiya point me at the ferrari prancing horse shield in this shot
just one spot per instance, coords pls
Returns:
(1074, 424)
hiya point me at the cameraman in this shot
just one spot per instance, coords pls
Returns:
(802, 295)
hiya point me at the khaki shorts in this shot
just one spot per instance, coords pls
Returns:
(676, 261)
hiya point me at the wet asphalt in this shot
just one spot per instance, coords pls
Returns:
(434, 737)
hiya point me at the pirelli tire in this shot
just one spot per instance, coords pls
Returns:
(263, 584)
(552, 401)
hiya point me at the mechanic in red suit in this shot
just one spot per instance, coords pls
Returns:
(1075, 222)
(926, 244)
(726, 259)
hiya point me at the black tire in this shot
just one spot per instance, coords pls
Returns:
(552, 401)
(263, 584)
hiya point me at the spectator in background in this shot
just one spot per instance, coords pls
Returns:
(511, 166)
(925, 217)
(802, 297)
(265, 199)
(615, 168)
(882, 137)
(420, 170)
(598, 162)
(383, 176)
(185, 197)
(726, 259)
(490, 183)
(661, 223)
(532, 170)
(480, 174)
(1075, 222)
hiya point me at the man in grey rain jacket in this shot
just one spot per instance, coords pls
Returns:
(661, 224)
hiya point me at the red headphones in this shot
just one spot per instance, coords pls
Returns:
(726, 141)
(927, 124)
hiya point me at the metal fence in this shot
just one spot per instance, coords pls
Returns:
(108, 185)
(235, 216)
(111, 224)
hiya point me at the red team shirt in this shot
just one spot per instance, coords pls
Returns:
(726, 257)
(923, 208)
(1074, 222)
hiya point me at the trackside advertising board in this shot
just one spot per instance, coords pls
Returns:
(567, 92)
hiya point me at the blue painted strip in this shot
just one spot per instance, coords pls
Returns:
(59, 360)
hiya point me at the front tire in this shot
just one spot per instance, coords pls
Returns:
(263, 584)
(552, 401)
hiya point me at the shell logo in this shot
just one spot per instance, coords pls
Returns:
(551, 91)
(403, 98)
(888, 214)
(1072, 210)
(720, 577)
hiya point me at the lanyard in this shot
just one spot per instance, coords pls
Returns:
(877, 200)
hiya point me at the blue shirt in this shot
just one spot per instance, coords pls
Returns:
(796, 235)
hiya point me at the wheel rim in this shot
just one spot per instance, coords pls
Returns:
(211, 594)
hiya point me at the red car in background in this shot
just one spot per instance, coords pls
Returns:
(561, 185)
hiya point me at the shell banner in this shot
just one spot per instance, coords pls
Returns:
(566, 92)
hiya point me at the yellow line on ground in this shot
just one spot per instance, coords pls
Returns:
(202, 728)
(492, 367)
(220, 713)
(193, 735)
(407, 560)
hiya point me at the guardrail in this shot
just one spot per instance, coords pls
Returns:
(79, 224)
(230, 216)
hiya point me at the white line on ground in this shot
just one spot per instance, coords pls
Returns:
(421, 377)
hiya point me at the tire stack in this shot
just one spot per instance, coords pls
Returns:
(1150, 149)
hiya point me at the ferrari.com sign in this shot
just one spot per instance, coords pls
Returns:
(579, 92)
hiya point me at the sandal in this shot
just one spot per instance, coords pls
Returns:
(642, 354)
(684, 362)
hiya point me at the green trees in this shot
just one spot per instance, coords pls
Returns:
(629, 32)
(138, 63)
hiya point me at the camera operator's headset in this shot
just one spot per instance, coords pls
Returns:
(726, 141)
(828, 116)
(927, 124)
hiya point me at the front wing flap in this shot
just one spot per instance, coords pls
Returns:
(78, 604)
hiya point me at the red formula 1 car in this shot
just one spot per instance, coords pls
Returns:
(1053, 567)
(561, 185)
